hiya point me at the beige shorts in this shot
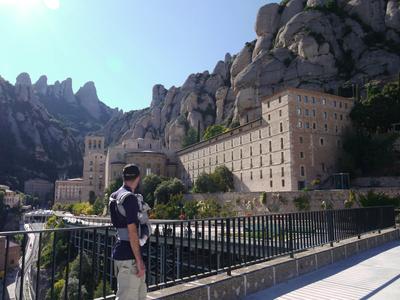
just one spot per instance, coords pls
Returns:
(130, 287)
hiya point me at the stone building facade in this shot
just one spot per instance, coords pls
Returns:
(147, 154)
(297, 140)
(14, 255)
(94, 167)
(68, 191)
(40, 188)
(11, 198)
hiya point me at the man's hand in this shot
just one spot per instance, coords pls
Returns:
(134, 241)
(141, 269)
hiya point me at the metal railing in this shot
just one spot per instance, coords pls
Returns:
(76, 261)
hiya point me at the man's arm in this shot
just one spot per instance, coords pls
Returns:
(134, 241)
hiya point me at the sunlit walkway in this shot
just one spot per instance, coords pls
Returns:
(374, 274)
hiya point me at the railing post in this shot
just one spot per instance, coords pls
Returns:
(380, 219)
(291, 235)
(331, 234)
(358, 223)
(228, 244)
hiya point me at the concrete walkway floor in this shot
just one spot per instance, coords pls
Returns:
(374, 274)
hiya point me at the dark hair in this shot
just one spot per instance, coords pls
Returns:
(130, 172)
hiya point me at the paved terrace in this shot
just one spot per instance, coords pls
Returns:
(374, 274)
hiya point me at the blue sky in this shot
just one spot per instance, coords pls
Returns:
(124, 46)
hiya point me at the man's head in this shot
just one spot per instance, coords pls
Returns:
(131, 176)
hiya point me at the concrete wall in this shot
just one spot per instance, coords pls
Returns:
(248, 280)
(283, 201)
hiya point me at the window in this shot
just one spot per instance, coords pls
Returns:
(335, 116)
(325, 115)
(307, 125)
(270, 183)
(280, 113)
(283, 182)
(282, 171)
(281, 143)
(269, 131)
(301, 154)
(313, 113)
(259, 134)
(240, 140)
(251, 150)
(260, 149)
(270, 173)
(261, 162)
(341, 117)
(299, 98)
(323, 101)
(302, 171)
(232, 155)
(301, 140)
(313, 100)
(261, 174)
(224, 157)
(269, 117)
(298, 111)
(334, 103)
(336, 129)
(241, 165)
(326, 127)
(314, 126)
(251, 163)
(280, 99)
(282, 157)
(270, 146)
(345, 105)
(251, 175)
(321, 141)
(340, 104)
(241, 177)
(270, 159)
(306, 99)
(268, 104)
(241, 153)
(306, 112)
(299, 124)
(281, 127)
(323, 167)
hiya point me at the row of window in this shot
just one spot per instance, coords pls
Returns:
(323, 101)
(313, 113)
(211, 162)
(306, 125)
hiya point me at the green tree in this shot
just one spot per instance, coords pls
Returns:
(98, 293)
(366, 153)
(191, 209)
(205, 183)
(98, 206)
(190, 138)
(168, 188)
(223, 178)
(214, 130)
(208, 208)
(379, 110)
(72, 292)
(149, 185)
(92, 197)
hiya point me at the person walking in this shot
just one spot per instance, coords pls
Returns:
(125, 211)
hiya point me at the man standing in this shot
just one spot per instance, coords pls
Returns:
(129, 266)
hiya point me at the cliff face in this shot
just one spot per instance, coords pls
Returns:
(314, 44)
(82, 112)
(33, 143)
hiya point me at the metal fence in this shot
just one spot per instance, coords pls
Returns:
(178, 250)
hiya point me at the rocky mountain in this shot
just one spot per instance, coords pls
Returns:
(82, 112)
(33, 142)
(315, 44)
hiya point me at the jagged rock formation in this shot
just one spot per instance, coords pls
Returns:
(82, 112)
(314, 44)
(33, 143)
